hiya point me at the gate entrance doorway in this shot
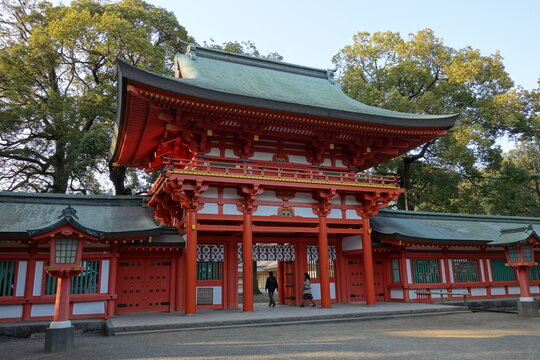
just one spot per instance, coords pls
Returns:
(355, 269)
(143, 284)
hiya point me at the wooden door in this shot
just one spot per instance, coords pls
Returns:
(143, 284)
(290, 283)
(356, 280)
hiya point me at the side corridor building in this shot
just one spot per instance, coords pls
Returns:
(258, 160)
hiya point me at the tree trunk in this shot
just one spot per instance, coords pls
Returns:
(405, 200)
(117, 175)
(256, 290)
(60, 176)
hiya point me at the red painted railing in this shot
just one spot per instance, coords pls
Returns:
(288, 172)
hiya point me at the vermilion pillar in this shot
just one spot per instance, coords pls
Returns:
(523, 277)
(323, 262)
(113, 268)
(281, 282)
(61, 305)
(29, 286)
(247, 259)
(367, 259)
(190, 307)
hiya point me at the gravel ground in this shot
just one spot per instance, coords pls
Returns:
(458, 336)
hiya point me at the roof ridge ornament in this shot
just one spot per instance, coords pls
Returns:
(69, 212)
(519, 229)
(330, 75)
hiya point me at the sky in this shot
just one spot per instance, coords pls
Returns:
(310, 33)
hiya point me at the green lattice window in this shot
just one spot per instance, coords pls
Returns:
(396, 278)
(209, 270)
(314, 269)
(84, 283)
(465, 270)
(501, 272)
(426, 271)
(534, 273)
(7, 278)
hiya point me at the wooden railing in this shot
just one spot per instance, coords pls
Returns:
(287, 172)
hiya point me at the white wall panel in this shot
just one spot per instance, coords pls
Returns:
(513, 290)
(335, 214)
(498, 290)
(304, 212)
(230, 193)
(231, 209)
(478, 291)
(296, 159)
(38, 278)
(535, 289)
(209, 208)
(89, 307)
(264, 210)
(229, 153)
(409, 271)
(212, 192)
(10, 311)
(21, 278)
(443, 270)
(104, 277)
(258, 155)
(351, 200)
(214, 152)
(268, 196)
(396, 294)
(352, 214)
(42, 310)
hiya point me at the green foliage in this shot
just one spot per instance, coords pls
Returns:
(57, 86)
(244, 47)
(422, 75)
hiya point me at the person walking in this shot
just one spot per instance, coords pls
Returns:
(306, 289)
(271, 287)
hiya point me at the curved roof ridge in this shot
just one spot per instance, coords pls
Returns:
(472, 217)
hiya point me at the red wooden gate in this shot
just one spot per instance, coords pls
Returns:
(143, 284)
(356, 280)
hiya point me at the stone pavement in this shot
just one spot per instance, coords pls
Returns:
(265, 315)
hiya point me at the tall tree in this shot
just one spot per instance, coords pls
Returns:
(57, 87)
(422, 75)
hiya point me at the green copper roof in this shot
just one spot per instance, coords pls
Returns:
(453, 228)
(267, 84)
(109, 215)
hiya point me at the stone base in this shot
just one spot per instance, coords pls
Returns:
(59, 340)
(527, 309)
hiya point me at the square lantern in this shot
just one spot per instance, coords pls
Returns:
(65, 257)
(520, 255)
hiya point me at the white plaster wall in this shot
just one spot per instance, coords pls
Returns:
(349, 243)
(352, 214)
(209, 208)
(304, 212)
(335, 214)
(351, 200)
(42, 310)
(513, 290)
(534, 289)
(409, 272)
(489, 270)
(212, 192)
(268, 196)
(443, 270)
(339, 163)
(38, 278)
(104, 277)
(479, 291)
(21, 278)
(258, 155)
(231, 209)
(89, 307)
(305, 198)
(450, 270)
(214, 152)
(10, 311)
(297, 159)
(412, 294)
(498, 290)
(396, 294)
(316, 291)
(264, 210)
(216, 300)
(482, 274)
(327, 162)
(230, 193)
(229, 153)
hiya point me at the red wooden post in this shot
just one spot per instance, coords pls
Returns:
(29, 286)
(367, 259)
(247, 259)
(323, 262)
(61, 305)
(113, 268)
(523, 277)
(281, 282)
(190, 307)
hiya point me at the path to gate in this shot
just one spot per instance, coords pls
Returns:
(264, 315)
